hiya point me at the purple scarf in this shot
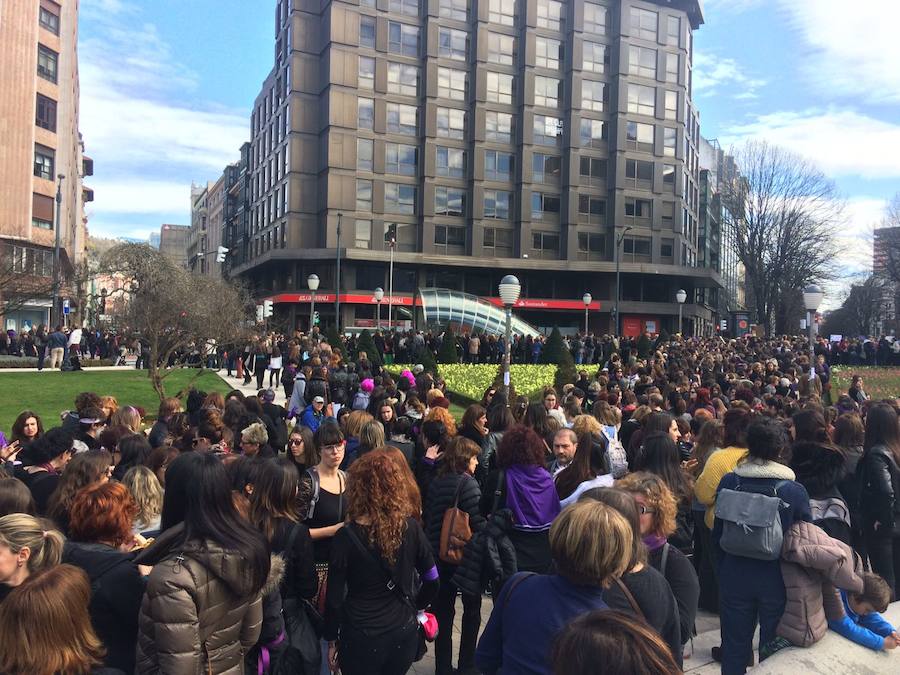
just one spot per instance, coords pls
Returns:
(531, 496)
(653, 541)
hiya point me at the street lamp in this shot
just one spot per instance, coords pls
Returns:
(313, 282)
(509, 294)
(680, 296)
(812, 298)
(379, 296)
(586, 299)
(619, 240)
(54, 310)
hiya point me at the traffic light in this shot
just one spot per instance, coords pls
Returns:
(221, 252)
(268, 309)
(390, 235)
(259, 314)
(316, 318)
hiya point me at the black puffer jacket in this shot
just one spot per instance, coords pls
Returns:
(880, 488)
(489, 558)
(441, 495)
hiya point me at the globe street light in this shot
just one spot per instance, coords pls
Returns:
(313, 282)
(586, 299)
(680, 296)
(812, 298)
(617, 319)
(379, 296)
(509, 294)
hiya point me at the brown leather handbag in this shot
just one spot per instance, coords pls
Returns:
(455, 530)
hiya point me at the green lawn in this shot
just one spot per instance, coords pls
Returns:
(49, 393)
(878, 382)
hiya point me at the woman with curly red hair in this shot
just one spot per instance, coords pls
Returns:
(522, 486)
(101, 543)
(371, 605)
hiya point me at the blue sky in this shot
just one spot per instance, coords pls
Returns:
(167, 87)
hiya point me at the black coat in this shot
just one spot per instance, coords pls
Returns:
(117, 589)
(880, 488)
(489, 558)
(441, 495)
(278, 415)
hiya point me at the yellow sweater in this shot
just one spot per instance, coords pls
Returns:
(719, 463)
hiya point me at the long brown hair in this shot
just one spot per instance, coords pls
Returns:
(85, 469)
(377, 494)
(274, 495)
(45, 627)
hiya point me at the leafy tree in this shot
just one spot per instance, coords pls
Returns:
(426, 358)
(556, 352)
(448, 353)
(367, 344)
(334, 339)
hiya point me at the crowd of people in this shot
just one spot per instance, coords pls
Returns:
(340, 529)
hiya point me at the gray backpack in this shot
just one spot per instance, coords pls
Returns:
(751, 524)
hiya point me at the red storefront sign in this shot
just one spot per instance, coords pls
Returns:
(405, 300)
(634, 326)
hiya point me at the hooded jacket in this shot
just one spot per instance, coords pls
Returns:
(489, 558)
(200, 613)
(812, 565)
(879, 488)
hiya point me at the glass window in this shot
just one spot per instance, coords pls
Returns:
(595, 57)
(673, 30)
(501, 48)
(47, 63)
(670, 141)
(403, 39)
(546, 169)
(498, 240)
(502, 12)
(43, 162)
(550, 14)
(399, 198)
(671, 105)
(639, 136)
(402, 119)
(637, 208)
(498, 126)
(638, 172)
(451, 123)
(452, 83)
(593, 95)
(403, 79)
(595, 18)
(453, 44)
(591, 246)
(400, 159)
(592, 170)
(365, 113)
(593, 133)
(496, 204)
(365, 151)
(450, 162)
(592, 209)
(449, 201)
(636, 246)
(548, 53)
(542, 203)
(49, 19)
(408, 7)
(454, 9)
(643, 23)
(669, 174)
(547, 130)
(547, 91)
(641, 99)
(498, 165)
(642, 62)
(453, 237)
(499, 88)
(667, 247)
(545, 245)
(366, 31)
(45, 115)
(673, 63)
(363, 234)
(367, 72)
(364, 195)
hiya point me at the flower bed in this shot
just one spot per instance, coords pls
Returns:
(470, 381)
(878, 382)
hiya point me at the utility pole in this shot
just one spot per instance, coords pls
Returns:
(54, 310)
(617, 327)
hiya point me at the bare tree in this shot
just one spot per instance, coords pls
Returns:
(786, 214)
(860, 313)
(173, 312)
(26, 275)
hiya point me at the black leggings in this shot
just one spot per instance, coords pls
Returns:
(390, 653)
(884, 556)
(444, 608)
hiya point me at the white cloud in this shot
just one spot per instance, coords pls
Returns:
(852, 49)
(143, 123)
(841, 142)
(712, 73)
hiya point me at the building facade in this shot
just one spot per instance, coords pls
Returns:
(39, 110)
(886, 269)
(174, 240)
(481, 137)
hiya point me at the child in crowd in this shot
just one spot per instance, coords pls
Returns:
(863, 624)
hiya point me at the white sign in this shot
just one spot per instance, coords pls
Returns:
(66, 306)
(836, 338)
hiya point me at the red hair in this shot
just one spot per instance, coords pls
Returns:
(102, 513)
(520, 445)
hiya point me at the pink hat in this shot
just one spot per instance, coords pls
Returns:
(367, 384)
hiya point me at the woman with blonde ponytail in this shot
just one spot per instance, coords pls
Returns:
(28, 546)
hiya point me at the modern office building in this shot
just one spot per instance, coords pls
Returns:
(235, 235)
(173, 241)
(39, 108)
(482, 138)
(886, 268)
(153, 240)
